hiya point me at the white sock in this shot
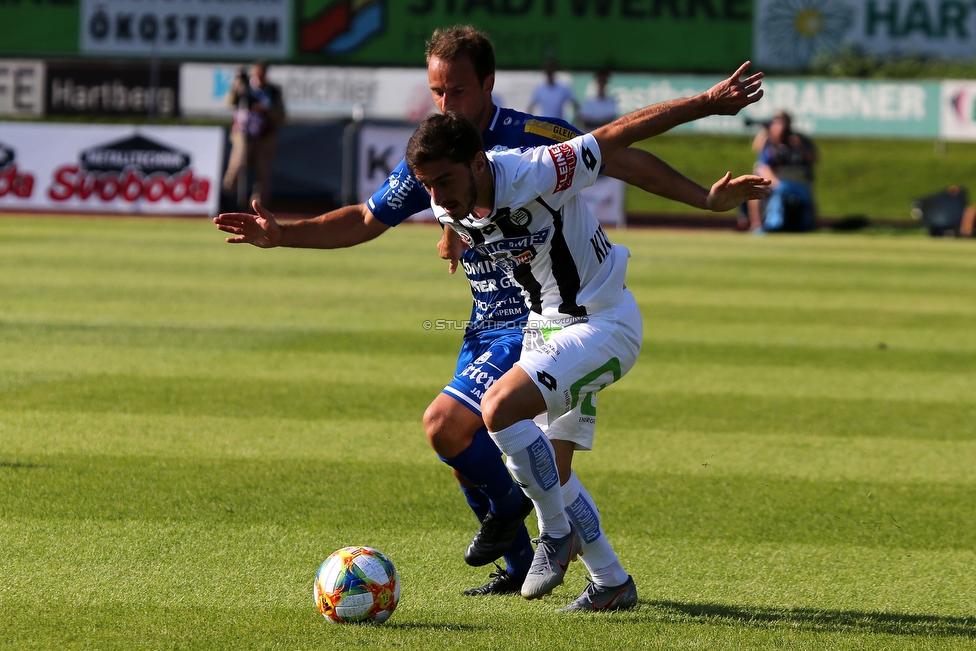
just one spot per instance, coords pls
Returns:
(532, 461)
(598, 556)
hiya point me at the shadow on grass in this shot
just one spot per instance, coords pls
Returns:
(16, 465)
(821, 620)
(435, 626)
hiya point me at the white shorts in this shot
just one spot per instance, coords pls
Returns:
(571, 359)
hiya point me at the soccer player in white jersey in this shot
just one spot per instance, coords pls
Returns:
(522, 208)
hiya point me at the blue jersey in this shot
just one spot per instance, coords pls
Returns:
(498, 305)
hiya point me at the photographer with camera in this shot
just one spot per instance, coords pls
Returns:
(788, 158)
(259, 112)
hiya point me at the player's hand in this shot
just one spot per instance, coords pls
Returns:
(260, 229)
(449, 247)
(728, 193)
(734, 94)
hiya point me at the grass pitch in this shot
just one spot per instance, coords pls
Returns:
(188, 428)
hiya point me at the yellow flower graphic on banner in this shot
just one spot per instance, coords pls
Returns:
(795, 30)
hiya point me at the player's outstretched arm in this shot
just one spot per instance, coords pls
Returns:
(646, 171)
(728, 97)
(728, 193)
(260, 229)
(731, 95)
(344, 227)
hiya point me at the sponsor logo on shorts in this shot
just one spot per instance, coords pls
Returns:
(548, 349)
(546, 380)
(482, 379)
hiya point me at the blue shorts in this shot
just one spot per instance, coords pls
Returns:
(480, 364)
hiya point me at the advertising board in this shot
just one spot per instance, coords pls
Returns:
(320, 92)
(95, 88)
(39, 27)
(819, 106)
(958, 110)
(688, 35)
(230, 29)
(21, 87)
(788, 35)
(110, 169)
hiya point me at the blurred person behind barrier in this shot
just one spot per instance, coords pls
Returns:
(599, 109)
(551, 97)
(787, 158)
(259, 112)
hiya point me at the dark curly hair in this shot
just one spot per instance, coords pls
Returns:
(450, 136)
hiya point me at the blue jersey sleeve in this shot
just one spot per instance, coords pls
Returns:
(400, 196)
(513, 129)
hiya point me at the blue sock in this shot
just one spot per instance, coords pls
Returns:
(481, 464)
(477, 500)
(519, 557)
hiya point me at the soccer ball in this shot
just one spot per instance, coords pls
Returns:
(357, 584)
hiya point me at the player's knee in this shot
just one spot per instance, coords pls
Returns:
(493, 405)
(447, 431)
(434, 425)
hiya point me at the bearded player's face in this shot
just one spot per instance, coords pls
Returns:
(454, 86)
(452, 186)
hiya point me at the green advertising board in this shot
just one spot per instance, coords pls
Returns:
(38, 27)
(631, 35)
(819, 106)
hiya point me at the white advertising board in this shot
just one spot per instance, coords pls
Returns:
(110, 169)
(310, 92)
(958, 110)
(315, 92)
(236, 29)
(606, 201)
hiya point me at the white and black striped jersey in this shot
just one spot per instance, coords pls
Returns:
(542, 234)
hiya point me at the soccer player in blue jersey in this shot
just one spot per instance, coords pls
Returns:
(461, 67)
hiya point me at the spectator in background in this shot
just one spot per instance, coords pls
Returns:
(787, 158)
(600, 109)
(549, 99)
(254, 134)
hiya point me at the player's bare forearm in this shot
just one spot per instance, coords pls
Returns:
(644, 170)
(728, 97)
(648, 122)
(340, 228)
